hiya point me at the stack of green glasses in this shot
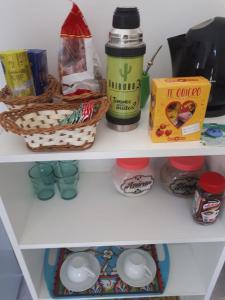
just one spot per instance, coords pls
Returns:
(65, 174)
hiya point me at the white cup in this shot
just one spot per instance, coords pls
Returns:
(78, 270)
(135, 267)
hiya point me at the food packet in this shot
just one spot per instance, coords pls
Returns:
(79, 66)
(17, 72)
(39, 67)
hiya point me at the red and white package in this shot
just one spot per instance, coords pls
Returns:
(79, 66)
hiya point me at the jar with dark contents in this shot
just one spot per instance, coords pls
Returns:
(180, 175)
(208, 198)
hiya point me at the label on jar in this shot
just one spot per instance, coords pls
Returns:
(184, 186)
(137, 185)
(205, 210)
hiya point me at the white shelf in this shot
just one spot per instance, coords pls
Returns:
(184, 279)
(219, 292)
(109, 144)
(99, 215)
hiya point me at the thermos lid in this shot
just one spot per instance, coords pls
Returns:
(126, 37)
(126, 18)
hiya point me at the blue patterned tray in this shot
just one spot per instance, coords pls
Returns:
(109, 285)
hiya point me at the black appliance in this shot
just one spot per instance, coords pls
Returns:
(201, 52)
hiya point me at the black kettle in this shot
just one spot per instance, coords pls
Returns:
(201, 52)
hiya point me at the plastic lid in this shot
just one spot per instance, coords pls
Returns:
(187, 163)
(212, 182)
(133, 163)
(126, 18)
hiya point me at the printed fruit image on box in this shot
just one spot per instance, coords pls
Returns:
(177, 109)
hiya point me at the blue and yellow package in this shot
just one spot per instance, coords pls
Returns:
(39, 67)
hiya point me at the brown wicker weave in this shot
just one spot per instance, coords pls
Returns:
(91, 95)
(19, 102)
(40, 127)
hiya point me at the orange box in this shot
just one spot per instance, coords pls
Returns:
(177, 109)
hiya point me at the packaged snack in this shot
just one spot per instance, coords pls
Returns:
(39, 67)
(178, 107)
(18, 72)
(78, 63)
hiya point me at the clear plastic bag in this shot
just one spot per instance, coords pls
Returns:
(79, 66)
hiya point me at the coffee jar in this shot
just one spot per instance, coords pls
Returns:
(179, 175)
(133, 176)
(209, 197)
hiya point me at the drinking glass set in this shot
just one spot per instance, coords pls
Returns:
(44, 176)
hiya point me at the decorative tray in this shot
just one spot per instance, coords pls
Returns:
(109, 284)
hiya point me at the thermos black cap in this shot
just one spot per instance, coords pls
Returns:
(126, 18)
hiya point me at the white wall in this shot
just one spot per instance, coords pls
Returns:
(36, 23)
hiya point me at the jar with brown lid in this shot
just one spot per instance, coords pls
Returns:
(180, 175)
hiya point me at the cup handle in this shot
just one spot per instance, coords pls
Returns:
(147, 271)
(90, 273)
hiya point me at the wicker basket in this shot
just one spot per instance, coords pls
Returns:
(13, 102)
(90, 95)
(41, 129)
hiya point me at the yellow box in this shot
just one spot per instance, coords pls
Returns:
(18, 72)
(177, 109)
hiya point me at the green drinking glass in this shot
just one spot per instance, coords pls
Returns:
(42, 178)
(66, 168)
(67, 177)
(52, 163)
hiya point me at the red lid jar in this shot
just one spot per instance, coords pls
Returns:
(180, 174)
(208, 198)
(133, 176)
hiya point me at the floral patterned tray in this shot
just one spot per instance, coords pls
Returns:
(109, 284)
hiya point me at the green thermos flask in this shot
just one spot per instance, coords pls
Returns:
(125, 52)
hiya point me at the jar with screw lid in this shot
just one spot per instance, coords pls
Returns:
(179, 175)
(208, 198)
(133, 176)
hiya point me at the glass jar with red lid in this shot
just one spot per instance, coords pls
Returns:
(180, 175)
(133, 176)
(208, 198)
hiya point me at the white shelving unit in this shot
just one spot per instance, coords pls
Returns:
(101, 216)
(110, 144)
(219, 291)
(10, 274)
(178, 278)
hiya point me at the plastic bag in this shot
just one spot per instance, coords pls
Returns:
(79, 66)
